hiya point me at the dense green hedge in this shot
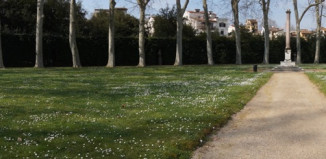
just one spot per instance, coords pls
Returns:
(19, 51)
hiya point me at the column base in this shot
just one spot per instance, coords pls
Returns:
(287, 63)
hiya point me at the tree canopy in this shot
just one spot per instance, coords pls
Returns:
(19, 16)
(166, 22)
(125, 25)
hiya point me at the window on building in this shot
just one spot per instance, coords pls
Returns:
(222, 32)
(212, 26)
(222, 24)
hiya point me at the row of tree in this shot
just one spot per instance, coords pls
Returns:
(72, 34)
(18, 17)
(265, 6)
(76, 10)
(298, 17)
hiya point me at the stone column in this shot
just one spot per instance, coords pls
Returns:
(287, 61)
(288, 15)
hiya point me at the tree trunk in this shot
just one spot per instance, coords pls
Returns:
(266, 26)
(142, 37)
(160, 59)
(39, 35)
(142, 7)
(180, 12)
(178, 56)
(72, 35)
(295, 5)
(298, 21)
(235, 10)
(111, 60)
(1, 58)
(298, 42)
(318, 20)
(209, 35)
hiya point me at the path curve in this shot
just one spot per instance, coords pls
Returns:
(285, 120)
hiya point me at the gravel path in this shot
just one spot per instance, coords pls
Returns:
(285, 120)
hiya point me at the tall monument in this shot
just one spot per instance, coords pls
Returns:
(287, 64)
(287, 61)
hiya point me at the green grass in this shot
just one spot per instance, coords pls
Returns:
(319, 79)
(125, 112)
(316, 74)
(310, 67)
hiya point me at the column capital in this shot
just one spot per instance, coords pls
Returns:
(288, 11)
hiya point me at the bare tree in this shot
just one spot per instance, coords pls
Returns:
(319, 13)
(265, 7)
(1, 58)
(111, 60)
(142, 7)
(180, 12)
(209, 35)
(72, 35)
(235, 10)
(298, 21)
(39, 35)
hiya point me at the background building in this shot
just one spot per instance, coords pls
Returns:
(149, 25)
(275, 32)
(223, 26)
(305, 33)
(196, 19)
(97, 11)
(252, 25)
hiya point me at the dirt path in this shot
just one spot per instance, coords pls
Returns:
(285, 120)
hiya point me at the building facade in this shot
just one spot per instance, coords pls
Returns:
(275, 32)
(252, 25)
(149, 25)
(196, 19)
(223, 26)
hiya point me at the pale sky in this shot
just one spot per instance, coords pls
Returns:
(277, 14)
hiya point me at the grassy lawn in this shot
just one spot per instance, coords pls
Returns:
(125, 112)
(312, 67)
(317, 74)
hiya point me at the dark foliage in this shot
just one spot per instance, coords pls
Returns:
(19, 17)
(125, 25)
(165, 24)
(19, 50)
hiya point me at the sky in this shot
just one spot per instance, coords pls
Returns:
(278, 9)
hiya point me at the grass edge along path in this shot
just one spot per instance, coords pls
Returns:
(154, 112)
(316, 74)
(319, 79)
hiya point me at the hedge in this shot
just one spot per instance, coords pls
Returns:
(19, 51)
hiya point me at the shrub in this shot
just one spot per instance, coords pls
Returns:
(19, 50)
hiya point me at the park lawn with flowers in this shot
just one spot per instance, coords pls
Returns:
(317, 74)
(124, 112)
(313, 67)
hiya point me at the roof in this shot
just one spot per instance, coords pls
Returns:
(121, 8)
(274, 29)
(191, 11)
(203, 20)
(201, 12)
(251, 20)
(106, 10)
(306, 31)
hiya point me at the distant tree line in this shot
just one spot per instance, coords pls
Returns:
(20, 50)
(67, 19)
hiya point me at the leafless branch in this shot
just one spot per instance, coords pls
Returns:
(305, 11)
